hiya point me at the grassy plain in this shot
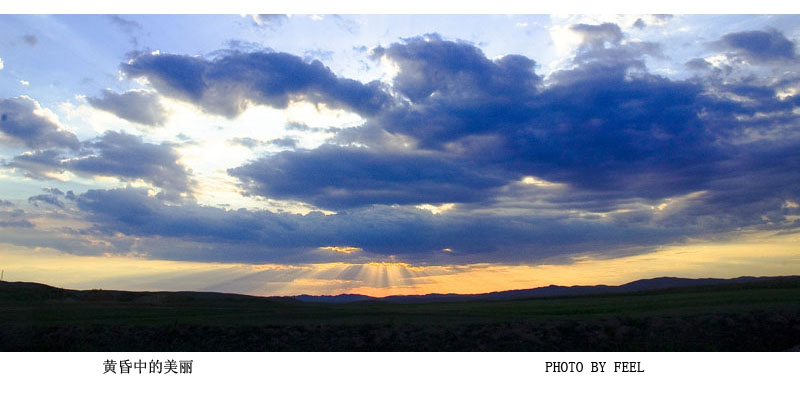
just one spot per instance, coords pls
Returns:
(756, 316)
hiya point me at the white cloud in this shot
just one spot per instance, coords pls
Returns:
(90, 122)
(436, 209)
(1, 63)
(206, 136)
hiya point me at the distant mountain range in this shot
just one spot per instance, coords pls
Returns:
(659, 283)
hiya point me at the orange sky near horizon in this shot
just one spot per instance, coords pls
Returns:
(754, 254)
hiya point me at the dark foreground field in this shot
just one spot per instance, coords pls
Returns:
(755, 316)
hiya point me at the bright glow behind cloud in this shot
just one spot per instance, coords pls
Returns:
(762, 254)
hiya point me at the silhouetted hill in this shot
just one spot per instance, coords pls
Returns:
(28, 291)
(659, 283)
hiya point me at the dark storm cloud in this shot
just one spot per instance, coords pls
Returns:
(114, 154)
(607, 128)
(765, 176)
(51, 197)
(20, 122)
(455, 91)
(640, 135)
(339, 177)
(46, 198)
(430, 65)
(136, 106)
(754, 112)
(40, 164)
(126, 156)
(263, 236)
(596, 127)
(759, 46)
(227, 84)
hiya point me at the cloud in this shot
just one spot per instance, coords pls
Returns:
(602, 131)
(606, 128)
(46, 198)
(53, 191)
(654, 19)
(115, 154)
(698, 64)
(599, 35)
(30, 39)
(128, 157)
(137, 106)
(432, 66)
(592, 125)
(227, 85)
(348, 25)
(454, 91)
(339, 177)
(22, 120)
(248, 142)
(285, 142)
(19, 227)
(129, 27)
(271, 21)
(126, 25)
(759, 46)
(22, 223)
(13, 218)
(39, 164)
(204, 233)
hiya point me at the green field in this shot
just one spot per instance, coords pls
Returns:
(757, 316)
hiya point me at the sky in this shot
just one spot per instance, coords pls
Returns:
(396, 154)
